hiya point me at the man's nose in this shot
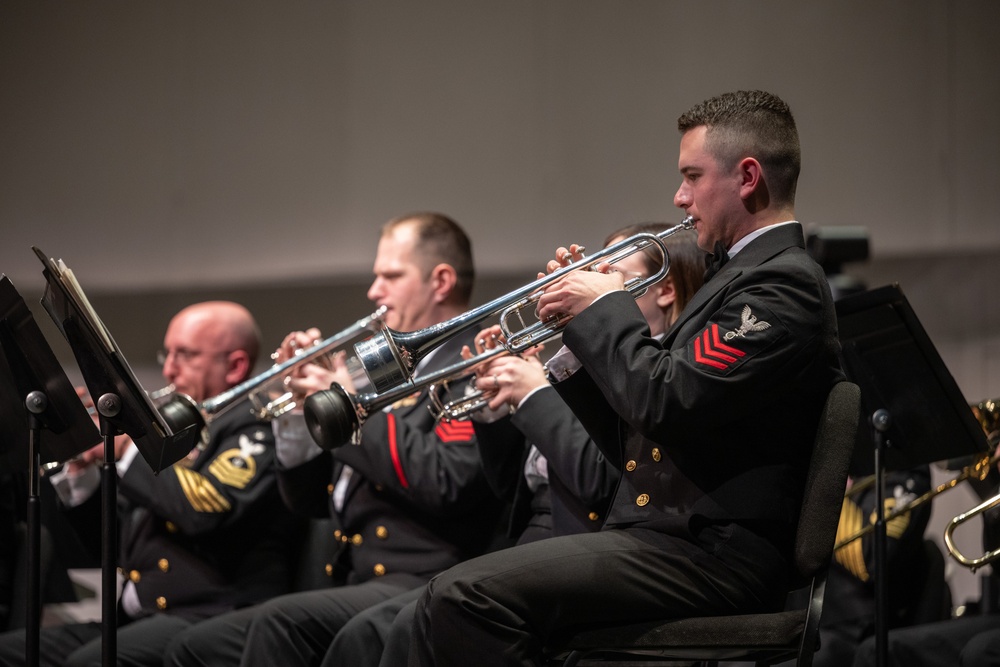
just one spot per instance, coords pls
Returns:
(682, 198)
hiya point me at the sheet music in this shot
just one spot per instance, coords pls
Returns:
(75, 292)
(72, 289)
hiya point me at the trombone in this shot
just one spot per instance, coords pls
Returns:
(977, 470)
(334, 417)
(971, 563)
(987, 413)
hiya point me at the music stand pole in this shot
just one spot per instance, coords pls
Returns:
(108, 407)
(881, 421)
(36, 403)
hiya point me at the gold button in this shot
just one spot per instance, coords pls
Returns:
(161, 603)
(134, 576)
(164, 565)
(356, 540)
(381, 532)
(379, 569)
(171, 528)
(593, 516)
(337, 534)
(656, 454)
(329, 489)
(630, 466)
(329, 570)
(642, 499)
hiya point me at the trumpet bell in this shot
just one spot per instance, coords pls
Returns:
(383, 361)
(180, 411)
(331, 418)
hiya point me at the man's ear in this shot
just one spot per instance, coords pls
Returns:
(751, 176)
(443, 279)
(237, 367)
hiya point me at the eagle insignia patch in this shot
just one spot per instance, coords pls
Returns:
(736, 336)
(748, 323)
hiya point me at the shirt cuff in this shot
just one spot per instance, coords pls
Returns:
(74, 489)
(562, 364)
(293, 443)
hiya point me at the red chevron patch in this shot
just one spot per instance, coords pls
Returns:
(711, 351)
(455, 431)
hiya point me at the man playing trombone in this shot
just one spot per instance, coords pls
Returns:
(712, 427)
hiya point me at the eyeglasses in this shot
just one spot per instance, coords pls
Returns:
(184, 356)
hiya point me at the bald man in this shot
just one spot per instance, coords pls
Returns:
(208, 535)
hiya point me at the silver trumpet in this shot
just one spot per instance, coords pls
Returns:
(335, 417)
(178, 408)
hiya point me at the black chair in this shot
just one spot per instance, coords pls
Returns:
(763, 638)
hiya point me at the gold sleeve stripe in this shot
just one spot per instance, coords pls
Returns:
(200, 493)
(234, 469)
(896, 527)
(851, 556)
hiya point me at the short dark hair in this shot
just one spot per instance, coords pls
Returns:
(441, 240)
(751, 123)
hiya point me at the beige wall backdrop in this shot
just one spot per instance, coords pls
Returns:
(175, 151)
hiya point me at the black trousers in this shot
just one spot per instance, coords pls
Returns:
(502, 608)
(949, 642)
(289, 630)
(379, 635)
(140, 643)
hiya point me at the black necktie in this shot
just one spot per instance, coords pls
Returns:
(715, 261)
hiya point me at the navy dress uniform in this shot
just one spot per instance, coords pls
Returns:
(712, 429)
(580, 480)
(413, 503)
(205, 536)
(573, 498)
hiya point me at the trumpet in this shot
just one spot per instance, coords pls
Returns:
(389, 356)
(334, 417)
(179, 409)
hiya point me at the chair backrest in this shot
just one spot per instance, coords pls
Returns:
(826, 480)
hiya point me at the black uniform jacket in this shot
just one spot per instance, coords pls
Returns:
(207, 535)
(417, 501)
(713, 427)
(581, 479)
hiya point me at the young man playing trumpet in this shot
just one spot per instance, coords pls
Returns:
(712, 426)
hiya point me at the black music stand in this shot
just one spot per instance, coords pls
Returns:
(889, 355)
(123, 406)
(36, 395)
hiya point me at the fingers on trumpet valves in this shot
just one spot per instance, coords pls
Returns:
(571, 254)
